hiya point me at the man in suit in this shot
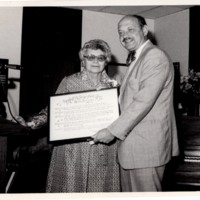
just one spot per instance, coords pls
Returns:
(146, 127)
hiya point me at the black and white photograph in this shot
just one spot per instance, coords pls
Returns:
(99, 99)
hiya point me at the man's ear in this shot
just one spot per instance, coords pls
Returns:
(145, 30)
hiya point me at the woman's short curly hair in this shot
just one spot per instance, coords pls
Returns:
(95, 45)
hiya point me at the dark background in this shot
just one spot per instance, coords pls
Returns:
(194, 41)
(51, 40)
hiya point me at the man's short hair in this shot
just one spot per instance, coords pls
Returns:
(141, 20)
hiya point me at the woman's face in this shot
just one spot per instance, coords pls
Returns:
(94, 61)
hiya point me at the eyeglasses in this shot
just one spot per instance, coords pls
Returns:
(92, 58)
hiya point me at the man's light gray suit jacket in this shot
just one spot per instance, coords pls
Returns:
(147, 127)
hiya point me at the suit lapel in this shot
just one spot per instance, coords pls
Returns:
(133, 66)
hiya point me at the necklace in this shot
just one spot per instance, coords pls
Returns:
(92, 82)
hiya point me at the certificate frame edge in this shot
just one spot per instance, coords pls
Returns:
(73, 93)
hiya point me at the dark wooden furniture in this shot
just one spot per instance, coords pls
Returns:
(187, 175)
(7, 129)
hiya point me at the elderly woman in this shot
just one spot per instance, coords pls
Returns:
(81, 167)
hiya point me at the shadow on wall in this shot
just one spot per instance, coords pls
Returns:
(151, 37)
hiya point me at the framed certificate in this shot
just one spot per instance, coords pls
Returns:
(82, 114)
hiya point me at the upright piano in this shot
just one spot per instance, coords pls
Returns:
(187, 174)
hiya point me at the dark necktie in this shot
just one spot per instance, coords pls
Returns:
(130, 58)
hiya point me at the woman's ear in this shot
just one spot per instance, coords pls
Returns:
(82, 64)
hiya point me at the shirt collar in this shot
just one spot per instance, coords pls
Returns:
(139, 50)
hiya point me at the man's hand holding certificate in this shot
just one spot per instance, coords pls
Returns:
(103, 136)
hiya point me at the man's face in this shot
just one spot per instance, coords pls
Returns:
(131, 35)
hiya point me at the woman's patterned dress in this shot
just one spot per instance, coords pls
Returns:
(81, 167)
